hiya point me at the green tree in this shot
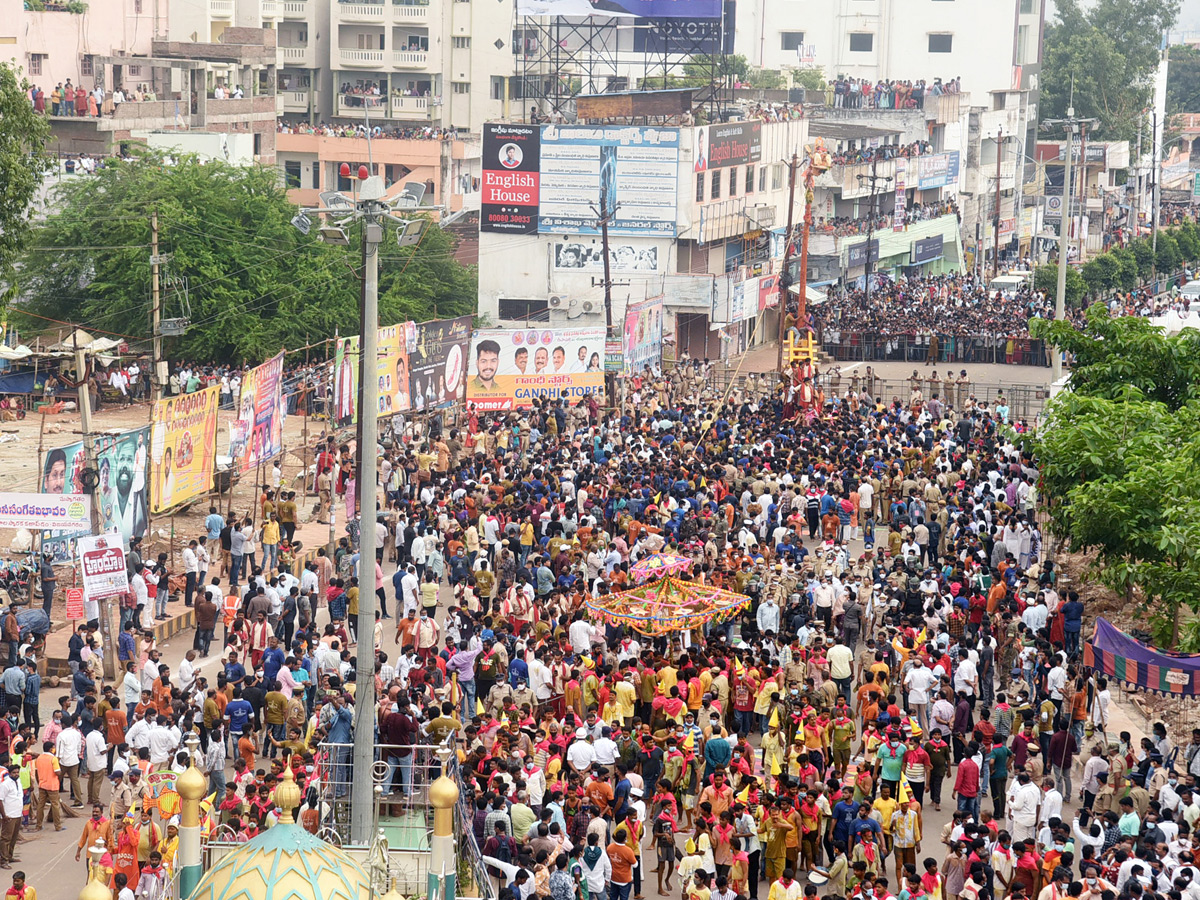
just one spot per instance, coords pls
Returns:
(1116, 355)
(765, 79)
(1168, 256)
(254, 283)
(703, 68)
(23, 162)
(1183, 79)
(1110, 49)
(1100, 272)
(1045, 278)
(1128, 426)
(809, 79)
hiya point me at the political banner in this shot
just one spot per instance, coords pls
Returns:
(577, 256)
(901, 204)
(102, 566)
(67, 513)
(728, 144)
(643, 335)
(439, 362)
(183, 447)
(633, 167)
(256, 434)
(391, 370)
(513, 368)
(121, 486)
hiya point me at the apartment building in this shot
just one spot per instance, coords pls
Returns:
(62, 40)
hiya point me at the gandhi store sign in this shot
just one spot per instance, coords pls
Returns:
(102, 563)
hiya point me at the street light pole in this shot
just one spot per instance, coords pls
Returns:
(1071, 122)
(369, 208)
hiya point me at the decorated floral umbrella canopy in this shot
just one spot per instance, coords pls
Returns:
(667, 605)
(659, 565)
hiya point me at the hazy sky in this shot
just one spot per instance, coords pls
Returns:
(1189, 17)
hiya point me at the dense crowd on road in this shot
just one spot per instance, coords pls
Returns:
(905, 646)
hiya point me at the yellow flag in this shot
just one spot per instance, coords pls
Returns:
(744, 796)
(905, 791)
(479, 710)
(690, 741)
(775, 768)
(774, 717)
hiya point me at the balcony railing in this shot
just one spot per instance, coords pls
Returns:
(294, 54)
(410, 107)
(410, 59)
(410, 12)
(270, 9)
(362, 59)
(295, 9)
(296, 101)
(221, 9)
(361, 12)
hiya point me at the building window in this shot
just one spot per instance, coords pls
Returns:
(462, 43)
(777, 176)
(1028, 7)
(35, 63)
(134, 71)
(137, 7)
(497, 87)
(700, 187)
(862, 42)
(87, 65)
(715, 193)
(291, 174)
(462, 87)
(733, 181)
(749, 179)
(316, 182)
(762, 178)
(791, 40)
(941, 43)
(524, 310)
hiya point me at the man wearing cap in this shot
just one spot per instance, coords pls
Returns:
(580, 754)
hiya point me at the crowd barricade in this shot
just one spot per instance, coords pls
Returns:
(869, 346)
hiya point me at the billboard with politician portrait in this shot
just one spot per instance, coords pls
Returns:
(643, 335)
(728, 144)
(509, 195)
(183, 447)
(633, 167)
(515, 368)
(439, 362)
(392, 372)
(256, 434)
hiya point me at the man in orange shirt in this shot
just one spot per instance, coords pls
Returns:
(623, 860)
(600, 792)
(97, 828)
(49, 780)
(161, 692)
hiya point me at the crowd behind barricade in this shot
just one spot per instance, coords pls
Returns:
(841, 226)
(936, 319)
(882, 152)
(67, 99)
(390, 132)
(863, 93)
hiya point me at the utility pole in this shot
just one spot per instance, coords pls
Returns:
(996, 223)
(785, 277)
(1070, 123)
(89, 455)
(874, 179)
(155, 307)
(1082, 189)
(610, 378)
(1155, 172)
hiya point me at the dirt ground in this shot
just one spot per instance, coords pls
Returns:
(20, 465)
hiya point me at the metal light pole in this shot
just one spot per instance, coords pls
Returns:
(366, 206)
(1071, 122)
(874, 179)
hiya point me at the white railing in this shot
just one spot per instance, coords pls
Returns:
(270, 9)
(419, 106)
(296, 101)
(295, 9)
(294, 54)
(360, 12)
(411, 58)
(222, 8)
(410, 12)
(371, 59)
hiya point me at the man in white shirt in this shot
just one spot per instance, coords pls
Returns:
(150, 671)
(409, 586)
(97, 762)
(1023, 800)
(966, 675)
(580, 634)
(918, 681)
(69, 750)
(1052, 802)
(580, 754)
(604, 749)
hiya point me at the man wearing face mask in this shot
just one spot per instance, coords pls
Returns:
(1023, 800)
(1094, 886)
(1057, 888)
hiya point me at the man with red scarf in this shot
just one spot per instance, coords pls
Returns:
(20, 890)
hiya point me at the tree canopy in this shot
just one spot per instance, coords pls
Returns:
(1110, 48)
(23, 161)
(1118, 459)
(254, 283)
